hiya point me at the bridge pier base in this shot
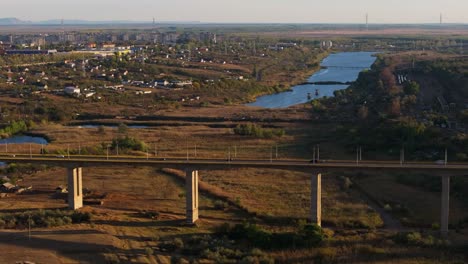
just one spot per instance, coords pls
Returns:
(316, 199)
(445, 206)
(75, 188)
(191, 185)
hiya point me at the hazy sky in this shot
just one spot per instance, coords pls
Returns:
(301, 11)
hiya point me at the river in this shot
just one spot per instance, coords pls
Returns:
(339, 67)
(24, 139)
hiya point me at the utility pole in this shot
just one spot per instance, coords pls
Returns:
(357, 156)
(446, 158)
(29, 226)
(402, 156)
(271, 154)
(318, 152)
(313, 156)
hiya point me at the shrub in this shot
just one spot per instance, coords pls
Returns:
(112, 259)
(220, 205)
(178, 243)
(414, 238)
(307, 236)
(369, 250)
(326, 255)
(257, 131)
(78, 217)
(14, 128)
(149, 251)
(128, 143)
(42, 218)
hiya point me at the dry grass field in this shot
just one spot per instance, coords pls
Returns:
(123, 231)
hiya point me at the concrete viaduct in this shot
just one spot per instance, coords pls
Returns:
(74, 165)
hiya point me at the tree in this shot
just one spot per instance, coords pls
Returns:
(395, 106)
(411, 88)
(123, 128)
(101, 130)
(363, 112)
(387, 78)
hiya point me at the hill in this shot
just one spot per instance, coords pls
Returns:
(12, 21)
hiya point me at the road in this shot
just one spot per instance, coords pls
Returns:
(94, 161)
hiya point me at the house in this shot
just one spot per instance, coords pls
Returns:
(61, 189)
(182, 83)
(7, 187)
(91, 45)
(43, 87)
(87, 95)
(72, 90)
(161, 83)
(108, 45)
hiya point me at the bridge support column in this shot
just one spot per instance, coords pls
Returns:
(75, 188)
(444, 215)
(191, 185)
(316, 199)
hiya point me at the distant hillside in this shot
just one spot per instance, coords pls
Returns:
(12, 21)
(83, 22)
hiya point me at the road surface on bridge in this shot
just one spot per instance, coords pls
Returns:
(91, 161)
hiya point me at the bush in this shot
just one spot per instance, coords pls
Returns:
(220, 205)
(128, 143)
(257, 131)
(78, 217)
(178, 243)
(326, 255)
(14, 128)
(250, 234)
(42, 218)
(112, 259)
(149, 251)
(413, 238)
(369, 250)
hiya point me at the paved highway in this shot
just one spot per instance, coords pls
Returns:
(92, 161)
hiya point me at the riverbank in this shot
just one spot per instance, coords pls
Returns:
(293, 78)
(336, 72)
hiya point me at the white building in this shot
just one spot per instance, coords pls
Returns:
(72, 90)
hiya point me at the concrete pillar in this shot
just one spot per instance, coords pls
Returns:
(444, 215)
(191, 185)
(316, 199)
(75, 188)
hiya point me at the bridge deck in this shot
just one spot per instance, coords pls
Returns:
(215, 164)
